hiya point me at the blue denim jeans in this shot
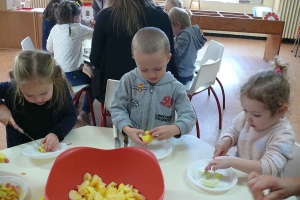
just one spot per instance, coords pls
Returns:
(79, 78)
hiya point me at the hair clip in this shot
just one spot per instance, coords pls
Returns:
(76, 2)
(278, 70)
(280, 104)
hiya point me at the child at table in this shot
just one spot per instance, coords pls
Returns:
(65, 41)
(188, 40)
(148, 96)
(38, 100)
(262, 133)
(48, 22)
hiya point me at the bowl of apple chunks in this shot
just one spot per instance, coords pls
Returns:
(93, 188)
(12, 188)
(133, 167)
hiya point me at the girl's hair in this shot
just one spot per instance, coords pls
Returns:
(150, 40)
(176, 3)
(66, 11)
(128, 15)
(270, 87)
(39, 67)
(48, 13)
(181, 16)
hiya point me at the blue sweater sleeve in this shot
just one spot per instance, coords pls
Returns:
(65, 119)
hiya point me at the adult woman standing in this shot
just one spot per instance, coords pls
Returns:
(111, 46)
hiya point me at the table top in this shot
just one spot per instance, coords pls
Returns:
(186, 150)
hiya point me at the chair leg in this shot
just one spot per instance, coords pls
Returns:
(223, 92)
(75, 101)
(208, 91)
(197, 128)
(103, 116)
(219, 107)
(91, 106)
(197, 123)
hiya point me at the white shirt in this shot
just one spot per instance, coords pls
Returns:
(67, 49)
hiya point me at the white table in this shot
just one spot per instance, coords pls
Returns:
(186, 150)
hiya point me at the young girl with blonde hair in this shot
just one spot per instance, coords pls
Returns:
(262, 133)
(65, 41)
(38, 100)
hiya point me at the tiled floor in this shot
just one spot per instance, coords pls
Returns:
(242, 58)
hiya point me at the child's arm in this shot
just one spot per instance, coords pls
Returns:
(165, 132)
(186, 117)
(244, 165)
(49, 45)
(86, 32)
(133, 133)
(68, 119)
(6, 116)
(279, 151)
(182, 42)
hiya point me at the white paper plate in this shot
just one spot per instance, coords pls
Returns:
(16, 182)
(160, 149)
(228, 180)
(32, 151)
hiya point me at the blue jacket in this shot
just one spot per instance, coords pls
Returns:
(62, 121)
(186, 45)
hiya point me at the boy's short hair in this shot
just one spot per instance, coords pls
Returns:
(181, 16)
(150, 40)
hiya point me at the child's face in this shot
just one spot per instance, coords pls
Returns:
(152, 67)
(37, 92)
(176, 28)
(168, 6)
(257, 115)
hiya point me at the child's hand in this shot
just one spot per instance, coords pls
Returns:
(6, 116)
(221, 162)
(222, 147)
(50, 142)
(164, 132)
(134, 134)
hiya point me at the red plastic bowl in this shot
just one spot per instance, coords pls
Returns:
(131, 165)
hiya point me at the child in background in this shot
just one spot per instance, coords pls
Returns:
(171, 4)
(48, 22)
(188, 40)
(148, 96)
(262, 133)
(65, 41)
(38, 100)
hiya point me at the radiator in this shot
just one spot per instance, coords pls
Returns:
(290, 13)
(39, 3)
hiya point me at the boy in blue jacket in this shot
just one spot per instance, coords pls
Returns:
(148, 96)
(188, 40)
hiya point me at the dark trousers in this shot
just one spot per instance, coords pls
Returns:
(79, 78)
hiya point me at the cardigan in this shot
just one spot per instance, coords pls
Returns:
(62, 121)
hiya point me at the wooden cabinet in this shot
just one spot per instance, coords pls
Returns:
(18, 25)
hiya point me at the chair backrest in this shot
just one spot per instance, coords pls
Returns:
(111, 87)
(27, 44)
(214, 51)
(205, 77)
(292, 169)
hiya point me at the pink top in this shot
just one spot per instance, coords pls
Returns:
(272, 146)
